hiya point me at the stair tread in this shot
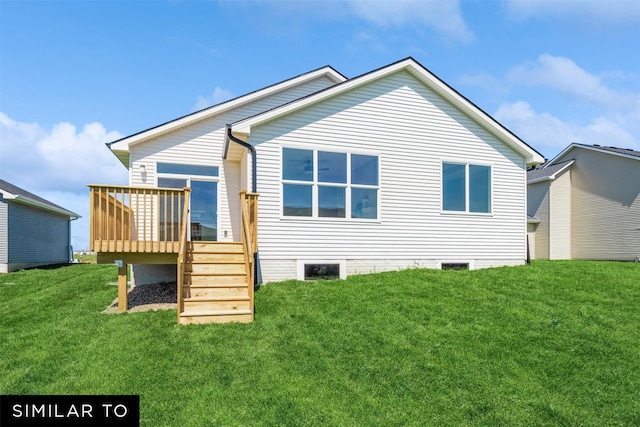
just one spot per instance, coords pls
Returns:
(214, 274)
(213, 312)
(215, 285)
(215, 262)
(217, 298)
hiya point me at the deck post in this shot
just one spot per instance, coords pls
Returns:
(123, 302)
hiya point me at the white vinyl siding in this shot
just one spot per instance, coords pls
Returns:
(202, 144)
(413, 130)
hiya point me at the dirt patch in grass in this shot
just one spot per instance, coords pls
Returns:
(159, 296)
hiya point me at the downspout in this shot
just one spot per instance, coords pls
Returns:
(254, 161)
(254, 189)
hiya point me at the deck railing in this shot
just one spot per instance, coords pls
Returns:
(249, 208)
(182, 250)
(137, 219)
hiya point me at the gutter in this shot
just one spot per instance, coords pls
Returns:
(254, 160)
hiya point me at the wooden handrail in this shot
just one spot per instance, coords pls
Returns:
(182, 250)
(135, 219)
(249, 209)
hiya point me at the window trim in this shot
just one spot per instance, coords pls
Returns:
(315, 184)
(466, 212)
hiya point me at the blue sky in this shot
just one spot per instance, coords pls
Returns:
(75, 75)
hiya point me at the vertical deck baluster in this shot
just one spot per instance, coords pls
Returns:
(135, 229)
(101, 231)
(122, 242)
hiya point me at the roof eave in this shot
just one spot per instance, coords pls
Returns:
(553, 176)
(541, 179)
(592, 148)
(28, 201)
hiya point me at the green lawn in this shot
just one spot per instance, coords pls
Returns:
(556, 343)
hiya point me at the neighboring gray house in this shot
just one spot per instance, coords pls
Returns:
(586, 204)
(33, 231)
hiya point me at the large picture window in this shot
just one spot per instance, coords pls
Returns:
(466, 188)
(329, 185)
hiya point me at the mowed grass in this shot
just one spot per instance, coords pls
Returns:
(555, 343)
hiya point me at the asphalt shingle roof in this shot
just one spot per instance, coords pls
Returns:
(545, 170)
(627, 151)
(17, 191)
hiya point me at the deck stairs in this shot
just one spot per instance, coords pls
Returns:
(215, 285)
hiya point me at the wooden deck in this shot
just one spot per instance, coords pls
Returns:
(134, 225)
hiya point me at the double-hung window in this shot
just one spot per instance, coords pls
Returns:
(466, 187)
(328, 184)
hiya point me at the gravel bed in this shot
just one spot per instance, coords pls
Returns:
(159, 296)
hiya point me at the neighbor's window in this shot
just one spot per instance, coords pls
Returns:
(466, 188)
(328, 184)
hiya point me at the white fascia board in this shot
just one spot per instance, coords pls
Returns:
(125, 143)
(28, 201)
(428, 79)
(6, 195)
(543, 179)
(592, 148)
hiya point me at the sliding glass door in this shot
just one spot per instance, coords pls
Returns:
(203, 215)
(204, 210)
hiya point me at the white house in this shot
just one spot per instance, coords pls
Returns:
(388, 170)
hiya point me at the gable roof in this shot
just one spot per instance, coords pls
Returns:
(623, 152)
(121, 146)
(417, 70)
(547, 171)
(13, 192)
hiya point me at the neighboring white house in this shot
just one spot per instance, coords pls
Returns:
(33, 231)
(389, 170)
(587, 201)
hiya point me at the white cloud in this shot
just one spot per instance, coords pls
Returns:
(443, 16)
(595, 12)
(564, 75)
(549, 134)
(59, 163)
(217, 96)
